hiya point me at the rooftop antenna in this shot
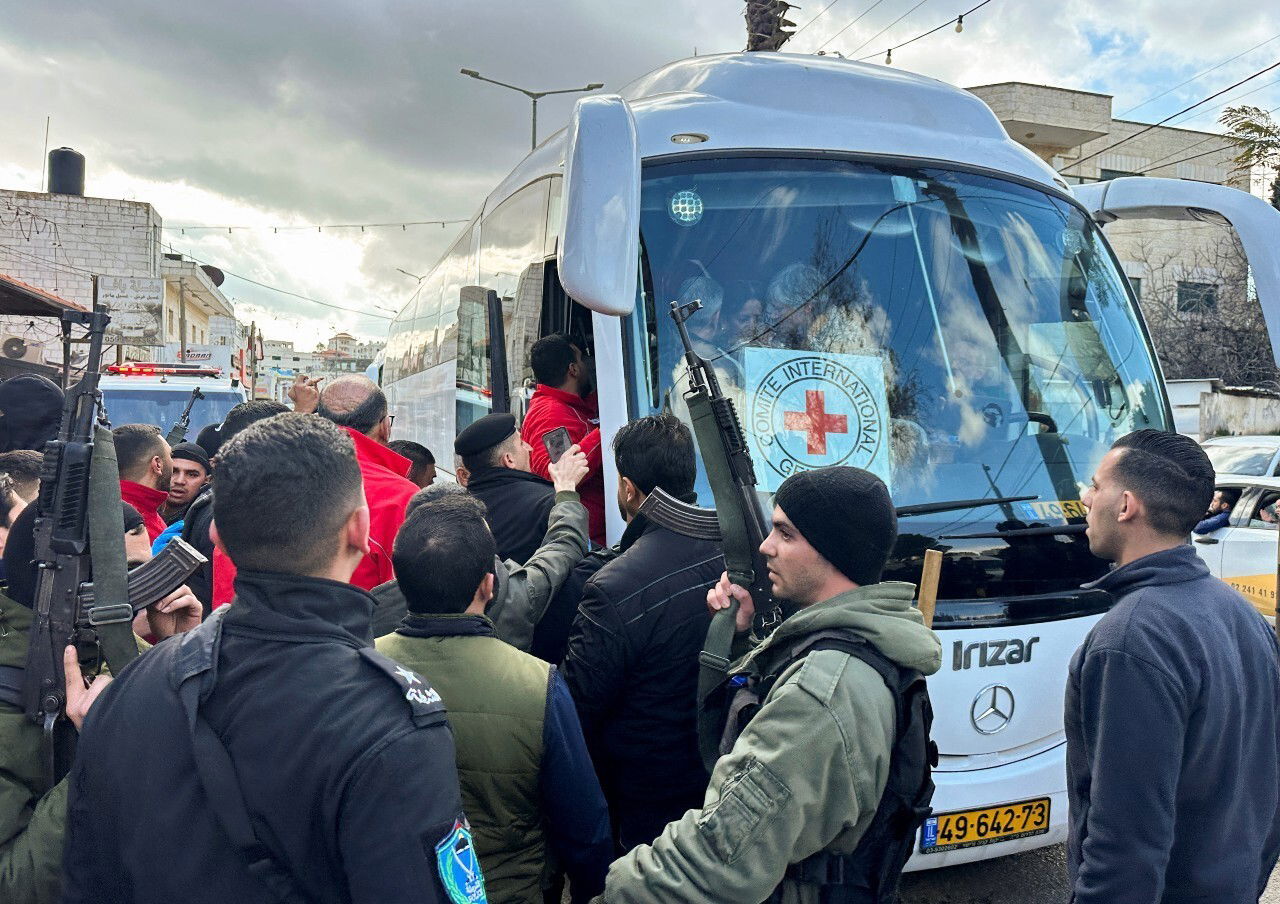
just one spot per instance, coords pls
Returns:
(44, 160)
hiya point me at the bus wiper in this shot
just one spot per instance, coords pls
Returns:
(1042, 530)
(956, 505)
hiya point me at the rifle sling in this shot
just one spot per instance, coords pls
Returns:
(716, 655)
(114, 620)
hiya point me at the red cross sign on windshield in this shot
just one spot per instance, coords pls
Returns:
(815, 421)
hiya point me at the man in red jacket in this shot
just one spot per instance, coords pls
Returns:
(565, 397)
(145, 469)
(357, 405)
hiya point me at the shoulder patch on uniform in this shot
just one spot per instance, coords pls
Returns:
(820, 673)
(423, 699)
(459, 866)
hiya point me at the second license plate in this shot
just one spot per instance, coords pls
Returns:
(970, 828)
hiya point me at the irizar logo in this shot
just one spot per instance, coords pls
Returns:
(991, 652)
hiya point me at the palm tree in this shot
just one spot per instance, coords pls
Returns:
(1257, 139)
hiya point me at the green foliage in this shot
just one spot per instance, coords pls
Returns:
(1256, 137)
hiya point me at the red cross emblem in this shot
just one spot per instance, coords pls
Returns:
(815, 421)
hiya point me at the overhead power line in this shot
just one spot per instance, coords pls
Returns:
(856, 20)
(958, 21)
(318, 227)
(1196, 76)
(1144, 131)
(815, 18)
(887, 27)
(262, 285)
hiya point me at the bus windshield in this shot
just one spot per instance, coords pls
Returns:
(960, 335)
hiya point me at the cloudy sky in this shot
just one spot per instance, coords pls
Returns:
(287, 113)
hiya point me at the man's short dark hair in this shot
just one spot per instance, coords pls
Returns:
(23, 466)
(1230, 495)
(437, 491)
(441, 554)
(656, 451)
(1170, 473)
(247, 413)
(136, 445)
(284, 488)
(550, 358)
(417, 453)
(364, 416)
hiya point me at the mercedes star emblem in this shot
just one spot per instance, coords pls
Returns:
(992, 709)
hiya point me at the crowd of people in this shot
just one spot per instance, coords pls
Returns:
(384, 686)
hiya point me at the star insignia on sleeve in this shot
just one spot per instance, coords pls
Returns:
(408, 676)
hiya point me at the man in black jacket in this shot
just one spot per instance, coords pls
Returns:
(517, 502)
(287, 759)
(632, 664)
(1173, 703)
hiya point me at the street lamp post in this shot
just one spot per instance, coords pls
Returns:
(534, 96)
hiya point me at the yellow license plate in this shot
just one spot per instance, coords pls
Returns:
(970, 828)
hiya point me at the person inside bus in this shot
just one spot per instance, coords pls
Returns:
(1219, 514)
(1172, 709)
(565, 397)
(146, 469)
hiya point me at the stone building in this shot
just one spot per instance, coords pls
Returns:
(60, 242)
(1190, 278)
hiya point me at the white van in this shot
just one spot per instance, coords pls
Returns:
(151, 393)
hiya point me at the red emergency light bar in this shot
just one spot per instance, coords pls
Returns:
(150, 369)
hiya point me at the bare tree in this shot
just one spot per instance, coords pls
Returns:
(1203, 319)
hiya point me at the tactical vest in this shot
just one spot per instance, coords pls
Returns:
(869, 874)
(496, 698)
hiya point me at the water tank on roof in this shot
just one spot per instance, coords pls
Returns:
(66, 172)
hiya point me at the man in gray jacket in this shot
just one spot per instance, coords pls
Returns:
(522, 591)
(806, 775)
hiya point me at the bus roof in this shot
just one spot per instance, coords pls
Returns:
(804, 102)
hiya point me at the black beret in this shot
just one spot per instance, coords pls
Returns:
(191, 452)
(484, 434)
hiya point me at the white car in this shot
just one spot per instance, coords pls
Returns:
(1243, 553)
(1249, 456)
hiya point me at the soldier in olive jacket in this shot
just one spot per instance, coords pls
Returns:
(807, 773)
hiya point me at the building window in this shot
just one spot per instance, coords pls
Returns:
(1135, 282)
(1196, 297)
(171, 323)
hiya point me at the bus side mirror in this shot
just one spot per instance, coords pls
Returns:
(600, 215)
(1256, 223)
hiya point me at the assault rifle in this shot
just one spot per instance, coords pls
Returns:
(738, 522)
(178, 432)
(84, 593)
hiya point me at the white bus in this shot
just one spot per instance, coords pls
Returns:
(888, 281)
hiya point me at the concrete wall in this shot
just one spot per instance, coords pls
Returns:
(1239, 414)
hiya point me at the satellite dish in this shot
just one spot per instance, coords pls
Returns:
(215, 275)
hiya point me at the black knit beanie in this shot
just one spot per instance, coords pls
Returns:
(846, 515)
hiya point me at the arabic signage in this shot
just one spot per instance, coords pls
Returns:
(136, 305)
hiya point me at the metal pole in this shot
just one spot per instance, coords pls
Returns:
(533, 142)
(182, 319)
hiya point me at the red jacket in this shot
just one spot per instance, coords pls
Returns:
(387, 491)
(551, 408)
(147, 501)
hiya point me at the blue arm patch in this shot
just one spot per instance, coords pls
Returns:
(459, 866)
